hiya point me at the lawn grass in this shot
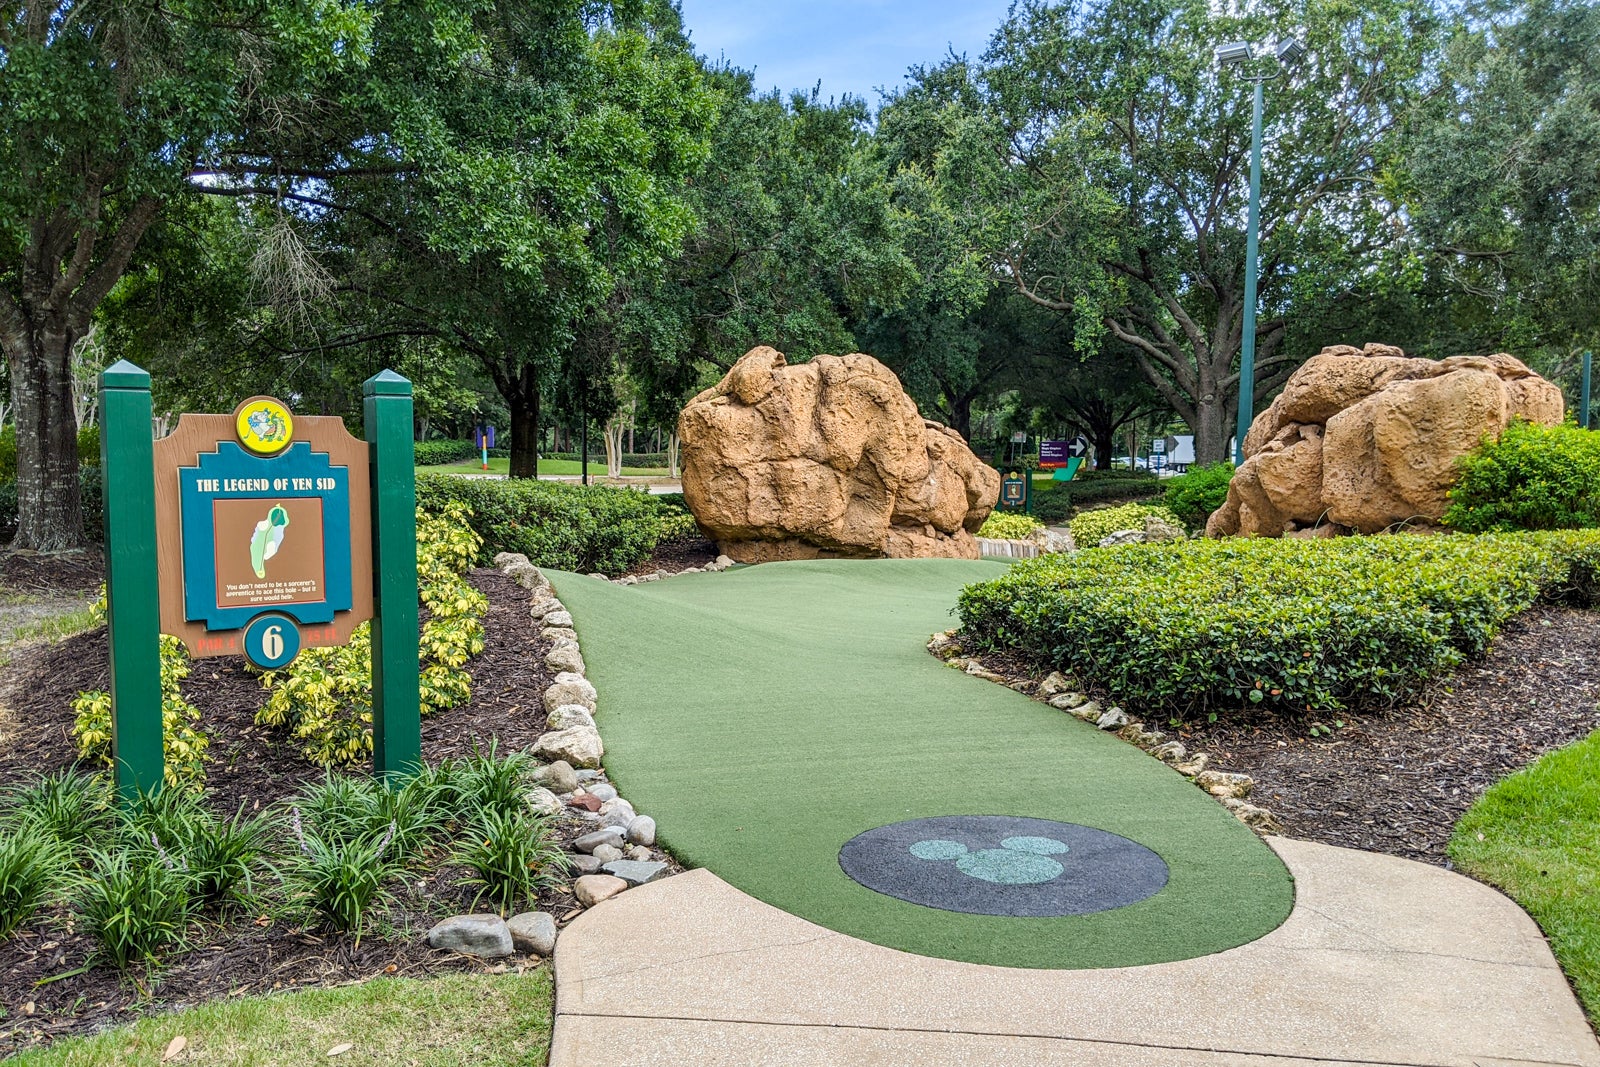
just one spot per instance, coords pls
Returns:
(502, 465)
(499, 1021)
(1536, 835)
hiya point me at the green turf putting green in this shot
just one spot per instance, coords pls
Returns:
(769, 716)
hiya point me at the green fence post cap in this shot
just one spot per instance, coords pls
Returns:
(386, 383)
(124, 375)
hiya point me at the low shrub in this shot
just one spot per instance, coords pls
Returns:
(1062, 500)
(30, 870)
(573, 528)
(183, 742)
(1532, 478)
(436, 453)
(1090, 527)
(1009, 526)
(338, 881)
(1187, 627)
(511, 856)
(134, 901)
(1194, 495)
(324, 697)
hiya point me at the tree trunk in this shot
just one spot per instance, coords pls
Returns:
(961, 417)
(1211, 429)
(524, 404)
(49, 512)
(672, 454)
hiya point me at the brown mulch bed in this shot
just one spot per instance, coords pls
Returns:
(52, 574)
(251, 766)
(677, 554)
(1398, 781)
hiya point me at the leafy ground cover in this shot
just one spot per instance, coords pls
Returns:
(488, 1021)
(1536, 835)
(1304, 627)
(584, 529)
(832, 671)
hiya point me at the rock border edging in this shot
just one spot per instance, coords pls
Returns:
(1063, 693)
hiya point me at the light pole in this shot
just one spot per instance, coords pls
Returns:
(1234, 53)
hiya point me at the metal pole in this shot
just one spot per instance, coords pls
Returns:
(1583, 402)
(1247, 354)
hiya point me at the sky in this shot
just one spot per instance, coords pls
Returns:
(853, 46)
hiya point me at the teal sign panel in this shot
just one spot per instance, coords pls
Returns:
(279, 532)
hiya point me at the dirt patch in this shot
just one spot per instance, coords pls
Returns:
(251, 766)
(53, 574)
(677, 554)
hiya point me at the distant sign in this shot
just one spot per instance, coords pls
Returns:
(1020, 437)
(1158, 446)
(1054, 455)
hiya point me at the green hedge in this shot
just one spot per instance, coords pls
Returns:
(568, 527)
(597, 457)
(435, 453)
(1195, 494)
(1062, 500)
(1532, 478)
(1091, 526)
(1189, 627)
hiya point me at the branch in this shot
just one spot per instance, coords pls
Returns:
(276, 170)
(83, 255)
(123, 244)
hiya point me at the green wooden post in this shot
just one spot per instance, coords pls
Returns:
(396, 708)
(133, 615)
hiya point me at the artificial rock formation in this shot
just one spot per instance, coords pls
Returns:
(1366, 438)
(828, 459)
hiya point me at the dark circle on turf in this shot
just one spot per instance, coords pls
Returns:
(1099, 870)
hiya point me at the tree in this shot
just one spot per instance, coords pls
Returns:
(1110, 158)
(1502, 181)
(106, 110)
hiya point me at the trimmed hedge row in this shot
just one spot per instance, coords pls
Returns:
(1193, 627)
(436, 453)
(1091, 526)
(1195, 494)
(597, 458)
(569, 527)
(1060, 502)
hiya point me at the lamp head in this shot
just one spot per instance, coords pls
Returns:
(1232, 53)
(1289, 51)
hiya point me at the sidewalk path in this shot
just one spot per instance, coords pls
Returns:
(1383, 961)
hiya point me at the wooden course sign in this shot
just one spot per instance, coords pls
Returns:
(270, 533)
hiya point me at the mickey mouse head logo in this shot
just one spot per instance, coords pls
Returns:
(1018, 860)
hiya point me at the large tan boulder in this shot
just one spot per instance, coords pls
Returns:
(1367, 439)
(827, 459)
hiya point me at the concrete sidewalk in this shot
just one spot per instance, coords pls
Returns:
(1383, 961)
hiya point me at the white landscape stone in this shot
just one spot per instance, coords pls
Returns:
(579, 746)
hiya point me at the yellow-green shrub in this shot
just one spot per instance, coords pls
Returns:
(1189, 627)
(324, 697)
(183, 743)
(1089, 528)
(1009, 526)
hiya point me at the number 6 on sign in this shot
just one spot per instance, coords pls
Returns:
(271, 641)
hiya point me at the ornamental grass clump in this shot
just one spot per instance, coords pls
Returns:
(1302, 626)
(512, 856)
(135, 900)
(30, 873)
